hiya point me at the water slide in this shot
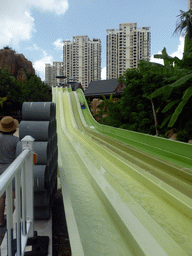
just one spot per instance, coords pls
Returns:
(124, 193)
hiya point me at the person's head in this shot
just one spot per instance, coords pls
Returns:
(8, 125)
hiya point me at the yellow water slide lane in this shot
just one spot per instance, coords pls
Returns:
(112, 205)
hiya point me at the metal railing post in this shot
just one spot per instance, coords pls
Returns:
(9, 220)
(18, 211)
(27, 142)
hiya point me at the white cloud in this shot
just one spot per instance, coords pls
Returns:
(16, 22)
(103, 73)
(57, 6)
(178, 53)
(58, 44)
(39, 65)
(34, 47)
(180, 49)
(16, 29)
(160, 61)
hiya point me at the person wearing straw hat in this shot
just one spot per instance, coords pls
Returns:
(8, 143)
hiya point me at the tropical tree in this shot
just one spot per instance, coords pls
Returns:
(34, 90)
(179, 91)
(136, 111)
(10, 92)
(14, 92)
(8, 85)
(110, 111)
(184, 27)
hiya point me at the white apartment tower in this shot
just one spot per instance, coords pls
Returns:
(126, 47)
(82, 59)
(51, 71)
(189, 4)
(48, 74)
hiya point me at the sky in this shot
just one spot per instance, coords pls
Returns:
(37, 28)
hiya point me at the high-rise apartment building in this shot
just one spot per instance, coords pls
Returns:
(48, 74)
(82, 59)
(189, 4)
(126, 47)
(51, 71)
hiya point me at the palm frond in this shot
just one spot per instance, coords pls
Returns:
(188, 54)
(160, 91)
(104, 98)
(167, 94)
(184, 23)
(176, 114)
(168, 60)
(167, 118)
(181, 81)
(143, 64)
(186, 96)
(170, 105)
(2, 100)
(159, 69)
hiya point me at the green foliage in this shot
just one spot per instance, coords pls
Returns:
(10, 92)
(16, 91)
(133, 111)
(184, 27)
(8, 85)
(135, 107)
(186, 96)
(166, 71)
(2, 100)
(89, 102)
(34, 90)
(104, 104)
(101, 112)
(188, 127)
(183, 136)
(114, 117)
(177, 93)
(165, 121)
(9, 48)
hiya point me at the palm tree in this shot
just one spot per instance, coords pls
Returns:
(184, 26)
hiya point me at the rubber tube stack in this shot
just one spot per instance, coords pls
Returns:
(39, 121)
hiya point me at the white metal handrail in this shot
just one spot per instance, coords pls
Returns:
(22, 170)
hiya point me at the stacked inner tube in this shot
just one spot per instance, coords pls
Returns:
(39, 121)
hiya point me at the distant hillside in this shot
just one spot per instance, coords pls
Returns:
(17, 63)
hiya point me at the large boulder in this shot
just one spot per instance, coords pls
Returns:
(95, 108)
(17, 63)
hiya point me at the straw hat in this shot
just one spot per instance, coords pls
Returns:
(8, 124)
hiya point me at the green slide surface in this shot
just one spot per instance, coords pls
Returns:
(124, 193)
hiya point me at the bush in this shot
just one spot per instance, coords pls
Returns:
(183, 136)
(16, 91)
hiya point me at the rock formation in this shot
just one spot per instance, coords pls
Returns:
(95, 108)
(17, 63)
